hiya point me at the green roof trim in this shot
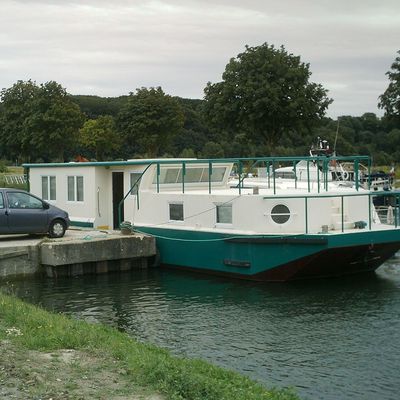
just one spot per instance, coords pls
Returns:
(193, 161)
(87, 164)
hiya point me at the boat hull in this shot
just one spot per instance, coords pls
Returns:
(275, 258)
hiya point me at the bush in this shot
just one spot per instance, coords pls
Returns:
(3, 167)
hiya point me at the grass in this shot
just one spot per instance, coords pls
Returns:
(31, 328)
(13, 171)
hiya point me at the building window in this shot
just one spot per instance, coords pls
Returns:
(75, 188)
(280, 214)
(224, 213)
(135, 180)
(48, 187)
(176, 212)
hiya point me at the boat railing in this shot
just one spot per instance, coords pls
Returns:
(386, 215)
(271, 163)
(135, 184)
(328, 169)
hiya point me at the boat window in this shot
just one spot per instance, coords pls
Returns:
(192, 175)
(176, 212)
(135, 182)
(218, 174)
(224, 213)
(171, 175)
(204, 176)
(280, 214)
(179, 178)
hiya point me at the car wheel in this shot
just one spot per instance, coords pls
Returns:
(57, 228)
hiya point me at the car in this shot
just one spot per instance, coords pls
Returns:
(22, 212)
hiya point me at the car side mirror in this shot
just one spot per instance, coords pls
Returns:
(46, 206)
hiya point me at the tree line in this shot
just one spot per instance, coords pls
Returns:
(264, 105)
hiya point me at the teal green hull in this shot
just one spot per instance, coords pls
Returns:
(275, 258)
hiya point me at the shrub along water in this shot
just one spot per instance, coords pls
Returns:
(32, 328)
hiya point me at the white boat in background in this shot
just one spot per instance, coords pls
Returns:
(321, 165)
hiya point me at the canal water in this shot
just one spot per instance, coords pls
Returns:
(329, 339)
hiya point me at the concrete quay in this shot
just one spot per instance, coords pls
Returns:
(79, 252)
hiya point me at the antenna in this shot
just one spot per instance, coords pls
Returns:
(337, 132)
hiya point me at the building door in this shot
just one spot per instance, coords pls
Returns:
(118, 195)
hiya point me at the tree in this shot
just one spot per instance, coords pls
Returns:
(150, 120)
(54, 122)
(212, 150)
(16, 105)
(194, 134)
(3, 167)
(370, 122)
(187, 153)
(390, 99)
(96, 106)
(100, 137)
(264, 92)
(39, 121)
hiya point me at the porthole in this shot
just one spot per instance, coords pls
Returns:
(280, 214)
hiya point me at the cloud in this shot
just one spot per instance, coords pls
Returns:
(111, 48)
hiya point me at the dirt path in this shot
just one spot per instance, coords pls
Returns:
(63, 375)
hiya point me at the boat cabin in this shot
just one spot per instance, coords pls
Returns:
(191, 193)
(91, 192)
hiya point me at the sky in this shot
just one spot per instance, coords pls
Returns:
(110, 48)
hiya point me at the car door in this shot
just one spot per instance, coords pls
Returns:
(3, 216)
(26, 213)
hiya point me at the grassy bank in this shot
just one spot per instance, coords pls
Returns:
(13, 184)
(100, 353)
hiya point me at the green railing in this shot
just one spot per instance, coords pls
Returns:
(370, 195)
(136, 183)
(322, 162)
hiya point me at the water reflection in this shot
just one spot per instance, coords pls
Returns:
(329, 338)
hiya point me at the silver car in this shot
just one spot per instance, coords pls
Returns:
(22, 212)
